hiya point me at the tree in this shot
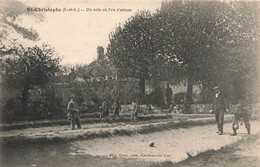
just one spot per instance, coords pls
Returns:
(135, 51)
(188, 27)
(28, 67)
(204, 36)
(202, 42)
(242, 40)
(12, 32)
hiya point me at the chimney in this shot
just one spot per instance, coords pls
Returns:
(100, 53)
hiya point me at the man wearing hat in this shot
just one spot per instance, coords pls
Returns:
(220, 105)
(74, 112)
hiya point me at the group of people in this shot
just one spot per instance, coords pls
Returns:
(220, 106)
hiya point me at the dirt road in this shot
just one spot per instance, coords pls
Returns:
(170, 146)
(243, 154)
(101, 130)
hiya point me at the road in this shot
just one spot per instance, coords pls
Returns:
(171, 146)
(246, 153)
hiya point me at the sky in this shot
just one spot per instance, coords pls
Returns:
(76, 35)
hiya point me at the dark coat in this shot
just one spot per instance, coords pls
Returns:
(220, 103)
(242, 112)
(168, 91)
(72, 107)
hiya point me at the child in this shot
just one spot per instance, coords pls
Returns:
(241, 114)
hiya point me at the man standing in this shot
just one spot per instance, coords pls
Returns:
(135, 107)
(168, 94)
(74, 112)
(220, 105)
(105, 106)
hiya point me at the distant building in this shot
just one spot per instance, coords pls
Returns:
(101, 69)
(100, 53)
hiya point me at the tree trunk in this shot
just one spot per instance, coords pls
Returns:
(24, 100)
(205, 94)
(188, 99)
(142, 87)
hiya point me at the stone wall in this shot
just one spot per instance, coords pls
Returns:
(201, 108)
(196, 108)
(205, 108)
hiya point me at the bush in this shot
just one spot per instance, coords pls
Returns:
(156, 97)
(179, 98)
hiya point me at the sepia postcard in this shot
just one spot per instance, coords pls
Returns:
(148, 83)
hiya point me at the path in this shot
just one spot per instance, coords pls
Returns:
(101, 130)
(170, 146)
